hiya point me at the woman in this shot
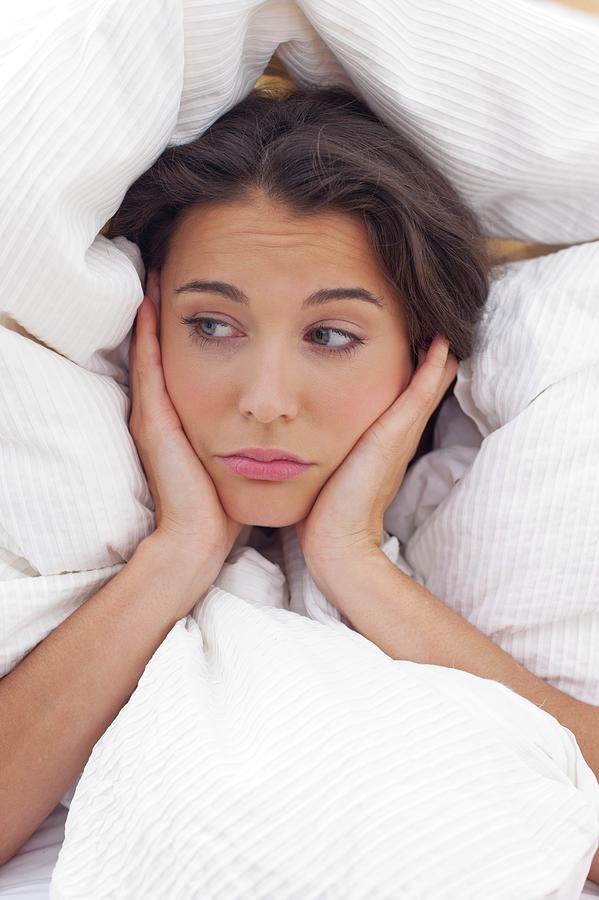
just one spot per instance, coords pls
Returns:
(301, 258)
(250, 337)
(290, 202)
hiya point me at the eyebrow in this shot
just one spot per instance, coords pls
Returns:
(324, 295)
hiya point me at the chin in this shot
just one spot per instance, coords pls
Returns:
(252, 513)
(264, 519)
(270, 504)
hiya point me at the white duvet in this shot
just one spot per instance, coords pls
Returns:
(269, 750)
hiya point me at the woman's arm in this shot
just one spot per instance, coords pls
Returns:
(61, 698)
(408, 622)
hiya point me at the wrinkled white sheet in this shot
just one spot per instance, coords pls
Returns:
(91, 93)
(28, 876)
(501, 520)
(271, 751)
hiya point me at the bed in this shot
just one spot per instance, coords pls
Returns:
(60, 273)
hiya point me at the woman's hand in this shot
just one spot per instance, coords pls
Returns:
(189, 513)
(346, 520)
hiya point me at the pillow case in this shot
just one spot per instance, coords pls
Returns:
(91, 94)
(268, 753)
(504, 527)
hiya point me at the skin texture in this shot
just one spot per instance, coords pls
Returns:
(274, 387)
(270, 381)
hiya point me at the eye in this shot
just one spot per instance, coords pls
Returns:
(200, 320)
(350, 347)
(204, 337)
(207, 339)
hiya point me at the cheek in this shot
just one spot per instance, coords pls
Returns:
(346, 412)
(194, 389)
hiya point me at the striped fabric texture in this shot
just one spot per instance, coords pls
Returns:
(504, 97)
(504, 525)
(269, 754)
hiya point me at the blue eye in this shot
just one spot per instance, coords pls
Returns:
(199, 337)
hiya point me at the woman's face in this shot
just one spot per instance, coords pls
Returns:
(275, 371)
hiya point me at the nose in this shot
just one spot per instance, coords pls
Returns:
(267, 391)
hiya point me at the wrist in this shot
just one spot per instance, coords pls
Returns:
(186, 569)
(369, 591)
(342, 579)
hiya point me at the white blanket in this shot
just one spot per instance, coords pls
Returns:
(271, 752)
(90, 95)
(501, 520)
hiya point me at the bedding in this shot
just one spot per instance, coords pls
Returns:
(91, 94)
(503, 525)
(271, 751)
(262, 755)
(27, 875)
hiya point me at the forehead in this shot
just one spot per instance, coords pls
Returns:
(262, 226)
(267, 250)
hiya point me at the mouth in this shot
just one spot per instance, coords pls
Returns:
(267, 454)
(264, 470)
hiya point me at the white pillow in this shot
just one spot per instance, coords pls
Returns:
(507, 533)
(504, 98)
(266, 754)
(91, 94)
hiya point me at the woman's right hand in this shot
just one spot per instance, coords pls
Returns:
(189, 514)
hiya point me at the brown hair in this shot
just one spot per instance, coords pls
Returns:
(315, 148)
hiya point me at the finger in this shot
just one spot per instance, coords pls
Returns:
(148, 376)
(147, 348)
(436, 372)
(134, 344)
(438, 351)
(132, 362)
(400, 427)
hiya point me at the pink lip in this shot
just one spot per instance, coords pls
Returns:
(277, 470)
(266, 454)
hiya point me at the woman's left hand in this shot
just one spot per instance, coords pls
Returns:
(346, 521)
